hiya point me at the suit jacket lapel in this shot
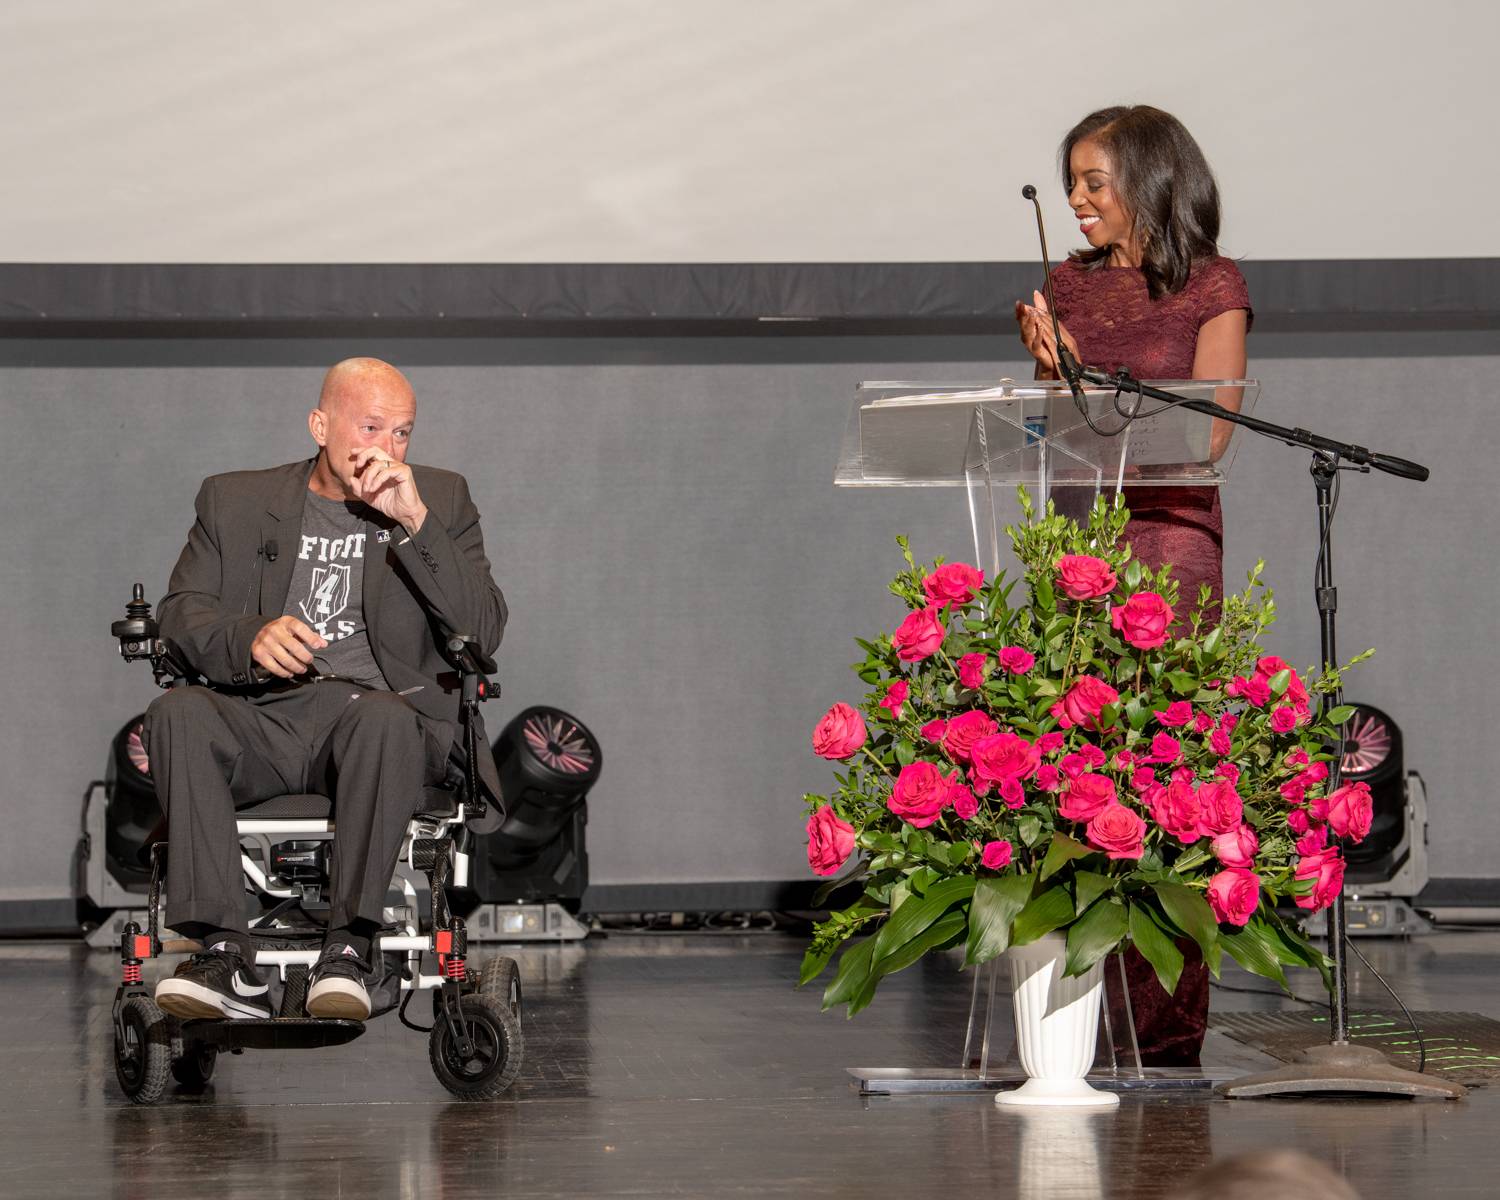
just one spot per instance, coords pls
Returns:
(379, 559)
(281, 524)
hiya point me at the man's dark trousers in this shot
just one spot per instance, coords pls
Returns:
(212, 753)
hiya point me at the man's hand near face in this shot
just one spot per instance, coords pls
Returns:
(388, 487)
(284, 647)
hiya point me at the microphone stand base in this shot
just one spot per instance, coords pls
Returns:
(1338, 1068)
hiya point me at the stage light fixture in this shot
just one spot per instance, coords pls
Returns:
(530, 873)
(131, 809)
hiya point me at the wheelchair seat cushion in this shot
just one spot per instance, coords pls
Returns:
(308, 806)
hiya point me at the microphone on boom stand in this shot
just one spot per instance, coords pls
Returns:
(1066, 363)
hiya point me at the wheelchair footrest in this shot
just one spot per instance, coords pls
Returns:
(274, 1033)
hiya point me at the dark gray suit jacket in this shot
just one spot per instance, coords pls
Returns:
(225, 586)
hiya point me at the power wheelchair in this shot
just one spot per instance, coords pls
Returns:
(475, 1042)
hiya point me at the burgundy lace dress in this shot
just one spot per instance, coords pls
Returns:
(1116, 324)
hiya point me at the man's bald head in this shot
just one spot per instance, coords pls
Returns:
(359, 378)
(364, 402)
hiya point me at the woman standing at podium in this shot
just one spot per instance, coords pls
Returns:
(1151, 293)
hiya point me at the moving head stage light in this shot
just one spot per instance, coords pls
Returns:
(1388, 869)
(531, 873)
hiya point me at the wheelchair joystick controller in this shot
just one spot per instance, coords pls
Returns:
(140, 638)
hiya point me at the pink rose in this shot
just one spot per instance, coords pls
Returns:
(1234, 895)
(918, 636)
(1164, 749)
(830, 841)
(996, 855)
(1203, 722)
(1012, 793)
(1016, 660)
(1314, 840)
(1049, 742)
(1048, 778)
(1117, 831)
(1091, 754)
(1237, 848)
(1220, 808)
(1084, 577)
(1218, 742)
(1142, 778)
(1175, 808)
(933, 731)
(1227, 770)
(1176, 714)
(1086, 797)
(920, 794)
(1143, 620)
(1350, 811)
(952, 583)
(1255, 689)
(1284, 719)
(1082, 704)
(971, 670)
(1296, 690)
(839, 734)
(1297, 758)
(1072, 765)
(1298, 821)
(963, 802)
(895, 697)
(1002, 756)
(1185, 775)
(1327, 867)
(1123, 760)
(964, 730)
(1228, 721)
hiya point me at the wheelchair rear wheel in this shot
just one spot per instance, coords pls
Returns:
(194, 1067)
(143, 1050)
(495, 1032)
(500, 979)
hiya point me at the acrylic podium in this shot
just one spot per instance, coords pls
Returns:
(987, 439)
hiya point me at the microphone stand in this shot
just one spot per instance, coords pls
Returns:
(1337, 1066)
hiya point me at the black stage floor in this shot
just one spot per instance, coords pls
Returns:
(683, 1065)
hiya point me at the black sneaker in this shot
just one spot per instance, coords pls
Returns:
(337, 984)
(215, 983)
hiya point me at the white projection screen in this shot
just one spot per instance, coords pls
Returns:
(720, 131)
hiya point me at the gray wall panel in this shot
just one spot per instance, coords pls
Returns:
(682, 575)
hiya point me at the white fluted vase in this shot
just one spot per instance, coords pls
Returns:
(1057, 1026)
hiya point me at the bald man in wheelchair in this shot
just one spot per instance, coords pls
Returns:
(315, 600)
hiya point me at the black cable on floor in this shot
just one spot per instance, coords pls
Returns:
(1229, 987)
(1406, 1012)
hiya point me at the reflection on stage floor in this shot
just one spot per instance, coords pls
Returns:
(685, 1065)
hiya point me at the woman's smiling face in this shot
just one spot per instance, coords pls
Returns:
(1092, 196)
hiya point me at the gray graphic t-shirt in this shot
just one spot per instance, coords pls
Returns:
(327, 588)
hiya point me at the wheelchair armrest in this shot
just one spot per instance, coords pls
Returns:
(468, 657)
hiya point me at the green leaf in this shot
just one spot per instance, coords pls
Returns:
(1046, 598)
(1337, 716)
(1030, 829)
(1295, 950)
(1088, 886)
(1133, 574)
(996, 903)
(1182, 683)
(1094, 935)
(1210, 645)
(934, 935)
(854, 969)
(1060, 853)
(918, 912)
(906, 753)
(1156, 948)
(1043, 914)
(814, 961)
(1190, 858)
(1190, 912)
(1254, 951)
(1281, 681)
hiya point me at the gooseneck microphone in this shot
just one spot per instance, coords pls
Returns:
(1065, 361)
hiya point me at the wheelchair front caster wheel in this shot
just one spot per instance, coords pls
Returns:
(143, 1050)
(500, 979)
(498, 1048)
(194, 1067)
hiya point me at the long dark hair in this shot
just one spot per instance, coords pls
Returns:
(1164, 183)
